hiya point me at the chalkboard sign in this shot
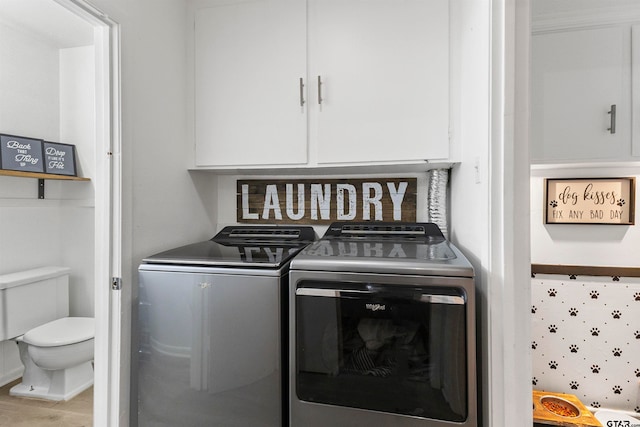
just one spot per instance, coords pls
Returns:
(60, 159)
(19, 153)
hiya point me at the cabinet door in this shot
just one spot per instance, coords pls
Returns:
(249, 58)
(384, 67)
(576, 77)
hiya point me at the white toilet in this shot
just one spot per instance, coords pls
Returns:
(56, 350)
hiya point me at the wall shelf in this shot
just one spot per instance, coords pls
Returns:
(41, 177)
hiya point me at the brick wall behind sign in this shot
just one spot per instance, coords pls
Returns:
(586, 339)
(322, 201)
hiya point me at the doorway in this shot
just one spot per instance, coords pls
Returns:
(60, 82)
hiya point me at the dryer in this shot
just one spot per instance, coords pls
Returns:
(382, 329)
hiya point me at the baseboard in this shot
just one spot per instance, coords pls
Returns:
(13, 375)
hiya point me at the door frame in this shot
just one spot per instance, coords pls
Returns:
(108, 212)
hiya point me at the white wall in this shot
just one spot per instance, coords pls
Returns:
(470, 185)
(581, 244)
(29, 80)
(77, 126)
(613, 382)
(164, 205)
(489, 203)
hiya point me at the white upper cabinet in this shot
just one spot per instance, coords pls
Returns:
(249, 59)
(384, 68)
(581, 95)
(321, 82)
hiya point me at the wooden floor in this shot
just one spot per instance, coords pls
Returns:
(24, 412)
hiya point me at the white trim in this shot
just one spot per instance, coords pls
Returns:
(635, 90)
(508, 321)
(107, 357)
(608, 14)
(599, 165)
(115, 357)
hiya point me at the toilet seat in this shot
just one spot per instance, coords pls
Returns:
(64, 331)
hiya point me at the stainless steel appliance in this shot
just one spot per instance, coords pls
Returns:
(211, 336)
(382, 329)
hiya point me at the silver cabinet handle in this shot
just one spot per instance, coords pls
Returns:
(301, 92)
(612, 119)
(319, 90)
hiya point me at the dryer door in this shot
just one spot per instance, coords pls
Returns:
(383, 347)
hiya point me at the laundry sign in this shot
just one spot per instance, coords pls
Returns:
(590, 201)
(322, 201)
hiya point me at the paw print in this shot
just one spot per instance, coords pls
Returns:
(533, 309)
(594, 294)
(636, 296)
(573, 348)
(534, 381)
(595, 332)
(617, 352)
(553, 364)
(637, 372)
(620, 202)
(573, 311)
(554, 204)
(573, 277)
(595, 369)
(574, 385)
(552, 292)
(615, 278)
(616, 314)
(553, 329)
(595, 404)
(617, 389)
(637, 335)
(534, 345)
(637, 409)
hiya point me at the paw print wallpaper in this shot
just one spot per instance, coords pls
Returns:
(586, 339)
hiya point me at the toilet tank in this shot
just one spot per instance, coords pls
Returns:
(31, 298)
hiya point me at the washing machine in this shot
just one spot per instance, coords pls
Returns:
(382, 329)
(212, 345)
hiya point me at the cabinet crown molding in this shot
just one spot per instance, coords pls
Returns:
(575, 19)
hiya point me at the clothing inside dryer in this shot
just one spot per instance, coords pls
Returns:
(389, 351)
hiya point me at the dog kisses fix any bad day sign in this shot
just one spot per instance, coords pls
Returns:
(322, 201)
(590, 201)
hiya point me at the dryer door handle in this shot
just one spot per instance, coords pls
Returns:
(339, 293)
(330, 293)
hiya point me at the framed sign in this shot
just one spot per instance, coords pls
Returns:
(19, 153)
(60, 159)
(323, 201)
(590, 201)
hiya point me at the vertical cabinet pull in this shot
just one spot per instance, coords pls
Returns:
(319, 90)
(301, 92)
(612, 119)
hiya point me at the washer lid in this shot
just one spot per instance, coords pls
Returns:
(65, 331)
(241, 246)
